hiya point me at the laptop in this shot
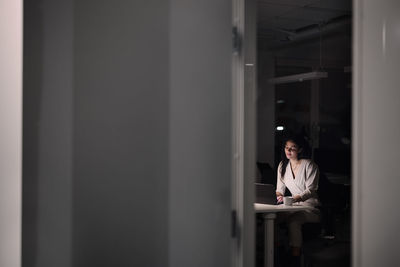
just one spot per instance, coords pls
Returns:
(265, 193)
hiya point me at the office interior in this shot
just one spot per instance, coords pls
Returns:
(308, 38)
(116, 135)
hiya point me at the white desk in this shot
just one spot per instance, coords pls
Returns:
(269, 212)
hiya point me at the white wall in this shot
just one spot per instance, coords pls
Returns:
(376, 132)
(11, 131)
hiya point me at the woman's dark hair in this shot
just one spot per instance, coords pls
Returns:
(302, 146)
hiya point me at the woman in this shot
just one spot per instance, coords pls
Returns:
(301, 177)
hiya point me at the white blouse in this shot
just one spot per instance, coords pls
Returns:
(305, 184)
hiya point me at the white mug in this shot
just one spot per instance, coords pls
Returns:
(288, 201)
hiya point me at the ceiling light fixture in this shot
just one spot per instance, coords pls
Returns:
(299, 77)
(313, 75)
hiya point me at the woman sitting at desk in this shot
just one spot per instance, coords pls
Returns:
(300, 176)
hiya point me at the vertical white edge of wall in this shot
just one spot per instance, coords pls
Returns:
(356, 132)
(244, 133)
(376, 128)
(250, 134)
(11, 132)
(237, 136)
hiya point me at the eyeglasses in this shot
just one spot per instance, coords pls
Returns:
(294, 149)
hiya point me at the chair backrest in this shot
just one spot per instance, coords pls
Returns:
(332, 197)
(331, 194)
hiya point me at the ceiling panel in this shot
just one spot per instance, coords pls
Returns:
(294, 3)
(268, 12)
(312, 15)
(279, 19)
(344, 5)
(287, 23)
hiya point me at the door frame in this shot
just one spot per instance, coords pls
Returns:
(244, 129)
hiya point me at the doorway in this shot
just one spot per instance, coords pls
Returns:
(298, 38)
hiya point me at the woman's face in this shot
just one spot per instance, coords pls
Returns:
(291, 150)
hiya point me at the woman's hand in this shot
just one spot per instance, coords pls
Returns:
(279, 198)
(297, 198)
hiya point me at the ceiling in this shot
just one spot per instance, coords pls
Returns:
(282, 21)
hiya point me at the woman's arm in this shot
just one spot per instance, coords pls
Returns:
(311, 182)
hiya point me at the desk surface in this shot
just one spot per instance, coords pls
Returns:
(260, 208)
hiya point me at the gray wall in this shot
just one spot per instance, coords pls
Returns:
(120, 190)
(376, 134)
(127, 133)
(47, 153)
(200, 133)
